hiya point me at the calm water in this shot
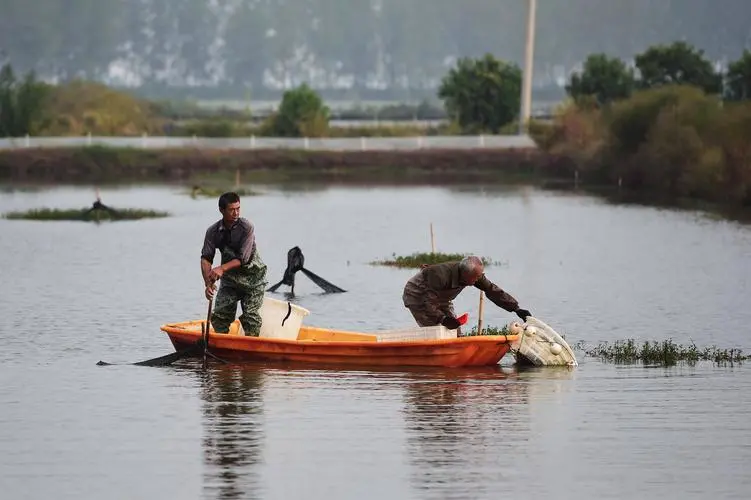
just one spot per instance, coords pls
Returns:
(78, 293)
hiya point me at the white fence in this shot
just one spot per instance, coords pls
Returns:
(327, 144)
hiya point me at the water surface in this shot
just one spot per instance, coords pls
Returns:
(76, 293)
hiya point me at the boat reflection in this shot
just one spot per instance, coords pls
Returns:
(467, 424)
(232, 406)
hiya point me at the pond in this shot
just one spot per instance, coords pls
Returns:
(76, 293)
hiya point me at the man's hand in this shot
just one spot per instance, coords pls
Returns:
(523, 314)
(216, 273)
(209, 292)
(451, 323)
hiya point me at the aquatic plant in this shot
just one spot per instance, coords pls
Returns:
(664, 353)
(215, 192)
(85, 214)
(424, 259)
(488, 330)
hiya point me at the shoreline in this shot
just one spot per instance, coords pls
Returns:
(108, 164)
(491, 167)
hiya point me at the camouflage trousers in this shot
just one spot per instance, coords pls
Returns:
(247, 288)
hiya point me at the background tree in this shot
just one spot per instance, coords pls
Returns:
(738, 79)
(677, 64)
(604, 78)
(482, 94)
(301, 113)
(21, 103)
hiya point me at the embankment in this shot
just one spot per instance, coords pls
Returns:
(106, 165)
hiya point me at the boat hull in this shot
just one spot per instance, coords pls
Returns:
(320, 346)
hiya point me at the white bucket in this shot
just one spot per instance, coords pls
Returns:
(273, 313)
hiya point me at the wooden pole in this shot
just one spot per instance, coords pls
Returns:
(479, 313)
(432, 239)
(237, 178)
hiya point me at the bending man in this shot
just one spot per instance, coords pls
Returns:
(242, 272)
(429, 294)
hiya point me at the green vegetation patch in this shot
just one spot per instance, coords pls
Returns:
(427, 258)
(488, 330)
(85, 214)
(665, 353)
(215, 192)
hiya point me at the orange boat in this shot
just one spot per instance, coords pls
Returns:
(325, 346)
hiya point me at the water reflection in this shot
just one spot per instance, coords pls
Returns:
(232, 398)
(458, 425)
(591, 433)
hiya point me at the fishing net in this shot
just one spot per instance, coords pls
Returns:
(295, 264)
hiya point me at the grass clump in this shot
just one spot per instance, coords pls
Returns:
(488, 330)
(85, 214)
(424, 259)
(215, 192)
(665, 353)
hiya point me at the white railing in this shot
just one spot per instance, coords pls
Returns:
(313, 144)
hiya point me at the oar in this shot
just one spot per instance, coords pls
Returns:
(205, 333)
(168, 359)
(192, 350)
(165, 360)
(205, 337)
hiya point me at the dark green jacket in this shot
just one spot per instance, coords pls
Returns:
(434, 287)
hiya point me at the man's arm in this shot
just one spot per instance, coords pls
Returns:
(430, 305)
(247, 244)
(206, 271)
(496, 294)
(220, 270)
(207, 256)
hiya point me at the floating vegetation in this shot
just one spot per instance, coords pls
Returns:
(424, 259)
(85, 214)
(215, 192)
(20, 189)
(665, 353)
(489, 330)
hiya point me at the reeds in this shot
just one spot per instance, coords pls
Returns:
(85, 214)
(488, 330)
(663, 353)
(423, 259)
(215, 192)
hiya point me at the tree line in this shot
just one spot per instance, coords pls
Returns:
(480, 95)
(672, 126)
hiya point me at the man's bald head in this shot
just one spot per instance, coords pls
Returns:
(470, 270)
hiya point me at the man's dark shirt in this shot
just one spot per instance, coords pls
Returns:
(240, 239)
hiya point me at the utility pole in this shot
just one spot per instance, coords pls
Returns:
(529, 51)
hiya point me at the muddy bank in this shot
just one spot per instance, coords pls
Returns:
(103, 164)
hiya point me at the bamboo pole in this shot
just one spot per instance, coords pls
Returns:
(479, 313)
(432, 239)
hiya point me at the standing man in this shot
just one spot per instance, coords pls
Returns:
(428, 295)
(242, 272)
